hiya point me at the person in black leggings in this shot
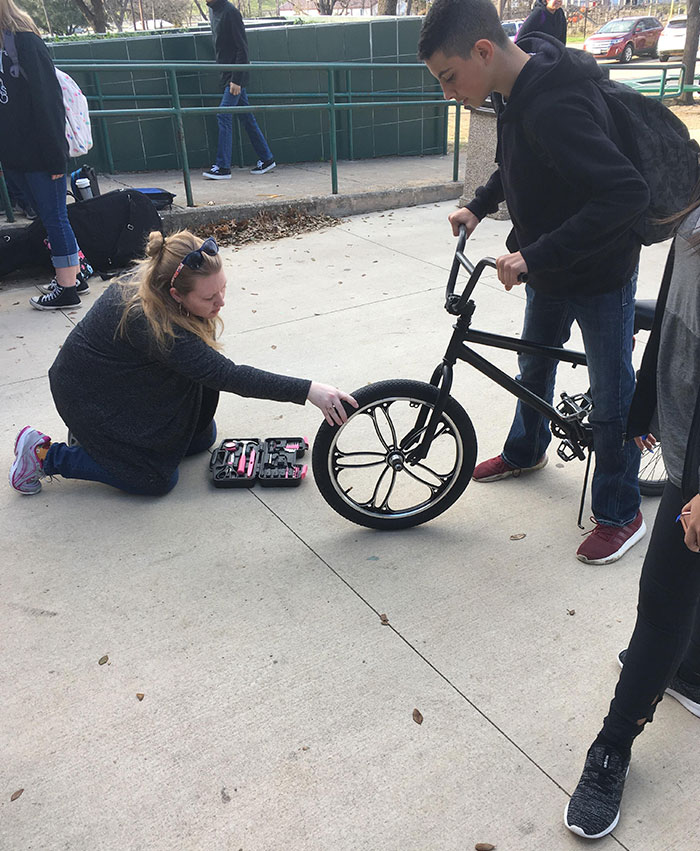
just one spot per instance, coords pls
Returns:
(664, 652)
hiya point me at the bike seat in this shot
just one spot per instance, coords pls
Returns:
(644, 314)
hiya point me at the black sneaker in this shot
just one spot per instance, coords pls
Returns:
(81, 286)
(594, 808)
(686, 694)
(217, 173)
(263, 167)
(59, 298)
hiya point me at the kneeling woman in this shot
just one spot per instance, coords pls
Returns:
(137, 381)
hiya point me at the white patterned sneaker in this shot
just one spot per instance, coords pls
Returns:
(27, 469)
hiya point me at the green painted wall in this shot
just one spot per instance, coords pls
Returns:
(148, 144)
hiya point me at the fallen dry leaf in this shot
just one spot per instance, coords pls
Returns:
(484, 846)
(139, 695)
(384, 620)
(518, 537)
(15, 795)
(103, 660)
(417, 717)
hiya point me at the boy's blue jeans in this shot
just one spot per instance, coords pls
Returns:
(73, 462)
(606, 322)
(247, 119)
(48, 197)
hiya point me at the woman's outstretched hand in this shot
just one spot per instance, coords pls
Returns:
(330, 401)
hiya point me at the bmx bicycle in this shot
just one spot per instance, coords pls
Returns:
(407, 453)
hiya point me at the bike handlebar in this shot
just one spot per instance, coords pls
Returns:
(455, 304)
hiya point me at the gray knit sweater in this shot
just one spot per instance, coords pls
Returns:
(133, 407)
(678, 372)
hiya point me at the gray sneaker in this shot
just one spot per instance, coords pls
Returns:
(594, 808)
(686, 694)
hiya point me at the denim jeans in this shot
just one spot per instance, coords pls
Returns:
(73, 462)
(606, 322)
(247, 119)
(48, 197)
(666, 637)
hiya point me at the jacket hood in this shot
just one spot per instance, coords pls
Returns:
(552, 68)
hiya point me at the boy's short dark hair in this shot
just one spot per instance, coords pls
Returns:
(454, 27)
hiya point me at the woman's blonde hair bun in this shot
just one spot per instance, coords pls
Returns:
(156, 241)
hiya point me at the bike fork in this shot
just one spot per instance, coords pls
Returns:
(442, 379)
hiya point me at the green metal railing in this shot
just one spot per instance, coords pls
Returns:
(335, 101)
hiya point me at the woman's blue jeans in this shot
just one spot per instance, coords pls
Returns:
(48, 197)
(607, 323)
(247, 119)
(73, 462)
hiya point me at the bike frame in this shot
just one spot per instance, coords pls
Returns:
(569, 426)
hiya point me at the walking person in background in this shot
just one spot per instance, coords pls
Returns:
(231, 48)
(33, 146)
(663, 656)
(547, 16)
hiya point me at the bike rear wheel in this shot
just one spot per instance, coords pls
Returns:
(363, 470)
(652, 471)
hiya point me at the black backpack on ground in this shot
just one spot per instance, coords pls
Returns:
(22, 246)
(112, 229)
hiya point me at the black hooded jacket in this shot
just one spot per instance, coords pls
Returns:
(572, 194)
(541, 20)
(32, 118)
(230, 41)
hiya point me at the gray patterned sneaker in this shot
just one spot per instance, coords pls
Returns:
(594, 808)
(686, 694)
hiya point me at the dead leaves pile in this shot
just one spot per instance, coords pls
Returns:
(265, 226)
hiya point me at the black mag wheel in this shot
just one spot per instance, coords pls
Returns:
(652, 471)
(363, 470)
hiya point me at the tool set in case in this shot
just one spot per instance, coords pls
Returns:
(240, 462)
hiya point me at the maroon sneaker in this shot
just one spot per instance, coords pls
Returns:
(496, 468)
(606, 544)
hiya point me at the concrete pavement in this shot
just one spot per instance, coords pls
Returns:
(277, 709)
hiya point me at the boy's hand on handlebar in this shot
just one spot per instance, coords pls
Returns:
(330, 401)
(465, 217)
(690, 519)
(510, 267)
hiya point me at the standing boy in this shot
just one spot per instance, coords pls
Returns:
(231, 48)
(573, 198)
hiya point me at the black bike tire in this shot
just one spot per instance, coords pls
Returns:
(418, 391)
(653, 487)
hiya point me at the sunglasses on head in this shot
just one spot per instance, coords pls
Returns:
(194, 259)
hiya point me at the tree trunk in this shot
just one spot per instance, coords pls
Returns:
(692, 35)
(94, 11)
(387, 7)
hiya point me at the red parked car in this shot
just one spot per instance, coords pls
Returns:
(625, 37)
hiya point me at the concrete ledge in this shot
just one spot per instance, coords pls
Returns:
(330, 205)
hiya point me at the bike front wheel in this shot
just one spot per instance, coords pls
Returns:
(363, 467)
